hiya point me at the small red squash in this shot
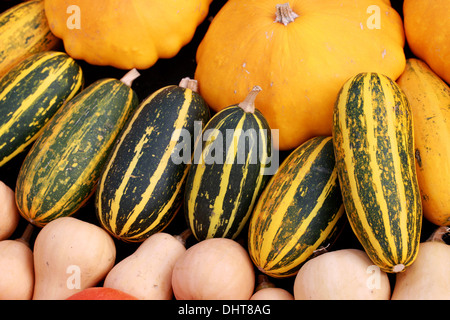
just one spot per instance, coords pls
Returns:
(101, 293)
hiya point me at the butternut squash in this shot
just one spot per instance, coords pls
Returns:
(428, 277)
(9, 213)
(69, 256)
(346, 274)
(16, 268)
(147, 273)
(214, 269)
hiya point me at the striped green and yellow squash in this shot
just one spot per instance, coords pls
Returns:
(227, 172)
(62, 168)
(24, 30)
(142, 185)
(30, 94)
(374, 148)
(299, 212)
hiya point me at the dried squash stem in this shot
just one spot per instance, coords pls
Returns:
(438, 234)
(26, 235)
(248, 105)
(189, 83)
(182, 237)
(130, 76)
(285, 14)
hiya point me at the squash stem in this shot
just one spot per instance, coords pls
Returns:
(182, 237)
(130, 76)
(26, 235)
(189, 83)
(248, 105)
(438, 234)
(263, 282)
(285, 14)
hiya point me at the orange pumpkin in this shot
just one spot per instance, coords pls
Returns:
(427, 28)
(125, 34)
(300, 54)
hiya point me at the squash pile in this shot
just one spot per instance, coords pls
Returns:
(302, 153)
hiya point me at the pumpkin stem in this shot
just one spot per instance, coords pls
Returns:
(438, 234)
(189, 83)
(182, 237)
(284, 14)
(248, 105)
(130, 76)
(26, 236)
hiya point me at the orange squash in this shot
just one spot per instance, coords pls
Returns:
(429, 98)
(125, 34)
(427, 28)
(300, 54)
(101, 293)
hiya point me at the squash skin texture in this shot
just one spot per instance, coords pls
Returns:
(373, 137)
(427, 29)
(301, 66)
(66, 242)
(427, 278)
(126, 34)
(214, 269)
(344, 274)
(23, 31)
(429, 98)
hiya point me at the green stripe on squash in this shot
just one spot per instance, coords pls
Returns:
(299, 211)
(142, 184)
(30, 94)
(225, 181)
(374, 147)
(62, 168)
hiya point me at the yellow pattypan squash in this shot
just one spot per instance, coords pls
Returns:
(300, 53)
(427, 29)
(125, 34)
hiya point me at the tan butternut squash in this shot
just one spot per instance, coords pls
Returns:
(346, 274)
(428, 277)
(147, 273)
(9, 214)
(214, 269)
(16, 268)
(69, 256)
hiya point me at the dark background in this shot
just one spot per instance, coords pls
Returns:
(168, 72)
